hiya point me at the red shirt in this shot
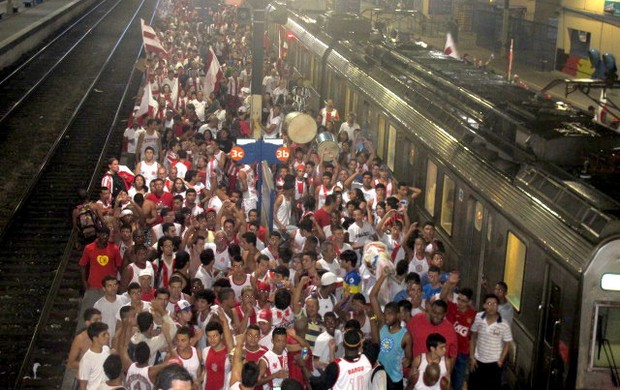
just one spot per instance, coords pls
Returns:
(101, 261)
(322, 217)
(241, 314)
(295, 371)
(420, 327)
(256, 355)
(165, 198)
(462, 322)
(215, 367)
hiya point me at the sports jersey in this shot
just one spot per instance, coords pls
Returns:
(216, 367)
(462, 322)
(352, 281)
(353, 374)
(238, 287)
(274, 363)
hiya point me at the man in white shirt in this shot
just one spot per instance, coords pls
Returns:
(110, 303)
(274, 123)
(360, 232)
(349, 126)
(326, 344)
(91, 373)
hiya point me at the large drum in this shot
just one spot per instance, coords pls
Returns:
(301, 127)
(327, 146)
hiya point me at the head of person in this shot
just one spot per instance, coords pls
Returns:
(437, 312)
(91, 315)
(182, 338)
(252, 336)
(463, 298)
(330, 322)
(263, 320)
(490, 304)
(249, 374)
(113, 366)
(348, 259)
(226, 296)
(404, 310)
(173, 377)
(352, 341)
(110, 285)
(501, 289)
(390, 314)
(358, 302)
(162, 296)
(371, 350)
(214, 332)
(329, 282)
(98, 332)
(203, 300)
(279, 340)
(312, 307)
(436, 343)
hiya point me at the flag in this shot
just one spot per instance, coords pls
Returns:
(151, 41)
(450, 48)
(213, 75)
(174, 93)
(148, 104)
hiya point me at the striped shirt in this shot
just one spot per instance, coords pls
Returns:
(491, 338)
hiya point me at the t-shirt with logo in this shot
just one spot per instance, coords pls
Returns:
(462, 322)
(101, 261)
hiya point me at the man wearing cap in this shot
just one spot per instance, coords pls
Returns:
(326, 293)
(99, 259)
(351, 372)
(264, 321)
(132, 271)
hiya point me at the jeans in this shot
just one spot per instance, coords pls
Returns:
(459, 371)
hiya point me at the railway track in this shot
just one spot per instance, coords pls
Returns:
(39, 277)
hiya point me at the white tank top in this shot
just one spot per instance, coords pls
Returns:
(148, 171)
(418, 266)
(274, 364)
(299, 239)
(192, 365)
(423, 364)
(138, 378)
(300, 188)
(323, 192)
(284, 212)
(251, 191)
(238, 287)
(353, 375)
(152, 141)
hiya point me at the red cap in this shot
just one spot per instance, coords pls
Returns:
(264, 315)
(210, 209)
(262, 286)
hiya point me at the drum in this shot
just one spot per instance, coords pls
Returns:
(327, 146)
(301, 128)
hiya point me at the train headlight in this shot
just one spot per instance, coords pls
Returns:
(610, 282)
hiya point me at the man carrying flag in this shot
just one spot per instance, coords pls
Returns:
(152, 44)
(213, 74)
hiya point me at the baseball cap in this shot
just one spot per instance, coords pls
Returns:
(182, 305)
(300, 167)
(245, 90)
(210, 210)
(262, 286)
(145, 272)
(126, 212)
(329, 278)
(264, 316)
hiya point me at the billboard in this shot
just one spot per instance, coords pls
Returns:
(612, 8)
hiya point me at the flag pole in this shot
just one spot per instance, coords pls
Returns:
(510, 57)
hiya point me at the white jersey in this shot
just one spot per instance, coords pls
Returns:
(274, 364)
(151, 140)
(323, 192)
(238, 287)
(222, 259)
(148, 171)
(420, 267)
(284, 212)
(138, 378)
(192, 364)
(423, 364)
(353, 374)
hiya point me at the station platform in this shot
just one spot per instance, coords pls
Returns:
(23, 31)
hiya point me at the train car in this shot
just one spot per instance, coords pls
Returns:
(503, 193)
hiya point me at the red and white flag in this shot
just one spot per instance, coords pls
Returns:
(148, 104)
(151, 41)
(174, 93)
(213, 75)
(450, 48)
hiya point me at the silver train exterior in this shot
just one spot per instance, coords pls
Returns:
(562, 269)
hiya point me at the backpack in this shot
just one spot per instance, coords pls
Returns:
(88, 222)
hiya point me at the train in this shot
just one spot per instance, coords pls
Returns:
(521, 187)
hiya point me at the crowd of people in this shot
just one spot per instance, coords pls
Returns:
(184, 286)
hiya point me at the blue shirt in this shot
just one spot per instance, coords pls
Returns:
(428, 291)
(391, 353)
(402, 294)
(352, 281)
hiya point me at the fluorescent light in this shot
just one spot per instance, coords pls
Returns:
(610, 282)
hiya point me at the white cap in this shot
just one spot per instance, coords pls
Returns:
(330, 278)
(126, 212)
(245, 90)
(145, 272)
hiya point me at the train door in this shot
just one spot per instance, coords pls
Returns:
(549, 375)
(475, 233)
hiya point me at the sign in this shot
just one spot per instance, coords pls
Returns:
(260, 150)
(237, 153)
(612, 8)
(282, 153)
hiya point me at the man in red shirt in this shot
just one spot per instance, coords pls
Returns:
(99, 259)
(433, 321)
(462, 316)
(322, 215)
(158, 196)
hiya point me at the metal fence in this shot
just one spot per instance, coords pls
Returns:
(534, 42)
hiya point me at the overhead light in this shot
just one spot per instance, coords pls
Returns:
(610, 282)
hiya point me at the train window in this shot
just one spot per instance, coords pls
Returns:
(431, 187)
(447, 204)
(489, 227)
(411, 153)
(478, 216)
(610, 282)
(514, 269)
(606, 337)
(391, 153)
(380, 140)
